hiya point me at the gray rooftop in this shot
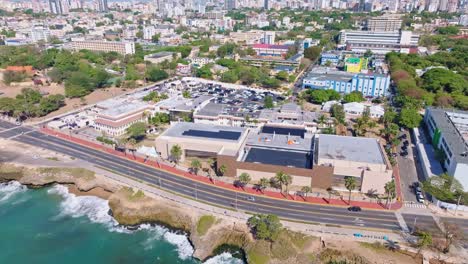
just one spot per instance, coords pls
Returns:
(355, 149)
(159, 54)
(325, 75)
(122, 107)
(454, 129)
(280, 142)
(205, 132)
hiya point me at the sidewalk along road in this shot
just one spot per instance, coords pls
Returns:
(250, 190)
(204, 191)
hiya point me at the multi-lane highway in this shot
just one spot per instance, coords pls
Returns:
(204, 192)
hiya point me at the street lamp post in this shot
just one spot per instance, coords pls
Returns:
(414, 224)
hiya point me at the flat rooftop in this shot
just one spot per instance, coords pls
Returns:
(116, 108)
(205, 132)
(279, 157)
(159, 54)
(357, 149)
(454, 127)
(288, 139)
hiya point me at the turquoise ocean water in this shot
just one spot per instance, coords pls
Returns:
(50, 225)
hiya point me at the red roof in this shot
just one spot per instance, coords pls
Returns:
(19, 68)
(268, 46)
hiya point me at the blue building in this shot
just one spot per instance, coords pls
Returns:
(333, 58)
(374, 85)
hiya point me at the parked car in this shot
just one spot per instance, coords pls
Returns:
(404, 136)
(420, 198)
(251, 198)
(404, 153)
(354, 209)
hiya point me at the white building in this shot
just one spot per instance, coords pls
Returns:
(123, 48)
(379, 42)
(354, 108)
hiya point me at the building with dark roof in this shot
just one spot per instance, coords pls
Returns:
(448, 129)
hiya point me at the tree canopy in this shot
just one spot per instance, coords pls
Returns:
(266, 227)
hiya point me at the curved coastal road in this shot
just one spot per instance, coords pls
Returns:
(286, 209)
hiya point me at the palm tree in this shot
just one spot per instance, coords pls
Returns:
(211, 162)
(222, 170)
(195, 165)
(425, 239)
(359, 127)
(132, 142)
(322, 119)
(306, 190)
(244, 179)
(122, 142)
(263, 184)
(176, 153)
(283, 179)
(350, 184)
(330, 192)
(390, 191)
(392, 245)
(371, 125)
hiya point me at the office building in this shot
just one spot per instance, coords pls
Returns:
(123, 48)
(361, 158)
(58, 7)
(115, 116)
(379, 42)
(374, 85)
(384, 23)
(40, 33)
(199, 140)
(230, 4)
(448, 129)
(331, 58)
(102, 6)
(270, 50)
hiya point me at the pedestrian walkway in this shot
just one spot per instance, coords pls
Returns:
(409, 204)
(221, 184)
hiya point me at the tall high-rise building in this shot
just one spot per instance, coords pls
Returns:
(102, 6)
(58, 6)
(230, 4)
(443, 5)
(452, 6)
(266, 4)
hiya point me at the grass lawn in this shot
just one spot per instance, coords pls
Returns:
(204, 223)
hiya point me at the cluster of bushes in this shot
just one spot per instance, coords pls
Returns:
(443, 87)
(30, 103)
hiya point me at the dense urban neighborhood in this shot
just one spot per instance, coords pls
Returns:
(280, 128)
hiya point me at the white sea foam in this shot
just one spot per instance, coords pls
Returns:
(96, 210)
(224, 258)
(9, 189)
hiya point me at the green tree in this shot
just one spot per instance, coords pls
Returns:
(354, 96)
(186, 94)
(283, 179)
(337, 111)
(443, 80)
(390, 191)
(282, 75)
(268, 102)
(204, 72)
(244, 179)
(409, 117)
(306, 190)
(350, 184)
(449, 30)
(155, 38)
(312, 53)
(137, 130)
(154, 74)
(176, 153)
(195, 165)
(265, 227)
(222, 170)
(425, 240)
(263, 184)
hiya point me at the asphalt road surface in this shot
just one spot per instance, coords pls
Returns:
(408, 173)
(201, 191)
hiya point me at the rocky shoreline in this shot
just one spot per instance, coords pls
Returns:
(132, 208)
(208, 234)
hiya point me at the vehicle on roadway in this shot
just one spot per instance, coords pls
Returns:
(420, 198)
(354, 209)
(251, 198)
